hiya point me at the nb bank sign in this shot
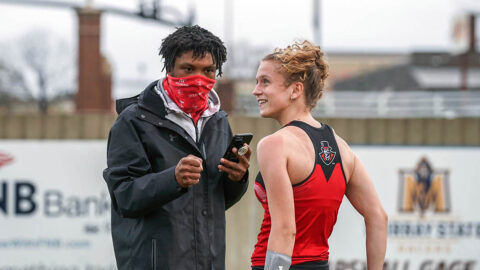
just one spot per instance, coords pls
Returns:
(54, 206)
(21, 197)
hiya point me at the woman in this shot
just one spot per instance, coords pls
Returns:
(306, 169)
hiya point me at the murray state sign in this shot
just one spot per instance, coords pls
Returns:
(431, 197)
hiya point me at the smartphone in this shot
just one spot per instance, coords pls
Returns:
(237, 141)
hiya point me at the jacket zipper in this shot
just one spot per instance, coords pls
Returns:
(205, 125)
(154, 253)
(193, 202)
(206, 204)
(204, 155)
(197, 139)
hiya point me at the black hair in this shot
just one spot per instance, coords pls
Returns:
(196, 39)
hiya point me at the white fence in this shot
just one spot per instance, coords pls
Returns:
(386, 104)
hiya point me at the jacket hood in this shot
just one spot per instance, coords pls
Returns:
(122, 104)
(148, 102)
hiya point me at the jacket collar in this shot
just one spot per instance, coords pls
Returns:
(151, 101)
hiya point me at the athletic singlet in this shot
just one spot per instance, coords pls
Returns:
(316, 199)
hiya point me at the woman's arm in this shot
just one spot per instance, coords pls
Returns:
(272, 161)
(362, 195)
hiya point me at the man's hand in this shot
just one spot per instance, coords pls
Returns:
(188, 170)
(236, 171)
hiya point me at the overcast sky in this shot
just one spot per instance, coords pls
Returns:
(369, 25)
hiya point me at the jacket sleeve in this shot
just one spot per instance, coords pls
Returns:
(233, 191)
(134, 189)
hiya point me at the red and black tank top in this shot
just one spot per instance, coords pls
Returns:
(317, 200)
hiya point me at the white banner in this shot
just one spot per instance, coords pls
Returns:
(54, 206)
(431, 195)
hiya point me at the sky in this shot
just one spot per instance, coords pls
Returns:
(131, 44)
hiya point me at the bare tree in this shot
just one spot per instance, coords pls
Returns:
(48, 66)
(12, 86)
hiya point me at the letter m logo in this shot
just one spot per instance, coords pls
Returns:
(423, 188)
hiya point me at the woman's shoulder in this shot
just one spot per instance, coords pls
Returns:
(342, 144)
(281, 137)
(274, 140)
(348, 156)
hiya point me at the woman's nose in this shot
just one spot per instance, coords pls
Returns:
(256, 91)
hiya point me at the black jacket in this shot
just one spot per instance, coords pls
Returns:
(155, 223)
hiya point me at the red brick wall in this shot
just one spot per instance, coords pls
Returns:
(94, 79)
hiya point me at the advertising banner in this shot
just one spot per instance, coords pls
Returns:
(431, 196)
(54, 206)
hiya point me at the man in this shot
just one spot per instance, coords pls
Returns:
(168, 183)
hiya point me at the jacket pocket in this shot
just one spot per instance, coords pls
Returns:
(154, 254)
(162, 252)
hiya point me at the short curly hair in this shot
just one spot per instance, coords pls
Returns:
(192, 38)
(303, 62)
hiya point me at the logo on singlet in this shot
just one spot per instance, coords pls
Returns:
(326, 154)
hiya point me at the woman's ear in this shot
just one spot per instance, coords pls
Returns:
(297, 90)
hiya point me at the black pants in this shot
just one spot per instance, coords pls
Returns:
(316, 265)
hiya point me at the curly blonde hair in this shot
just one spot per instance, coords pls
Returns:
(303, 62)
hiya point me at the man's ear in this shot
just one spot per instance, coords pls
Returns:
(297, 90)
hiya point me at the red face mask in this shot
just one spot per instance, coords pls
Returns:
(189, 93)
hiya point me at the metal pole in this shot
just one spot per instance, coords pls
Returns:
(471, 50)
(317, 29)
(228, 33)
